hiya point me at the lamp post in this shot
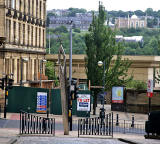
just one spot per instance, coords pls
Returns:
(102, 110)
(41, 62)
(70, 79)
(23, 60)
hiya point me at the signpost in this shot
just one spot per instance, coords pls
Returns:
(83, 102)
(117, 94)
(149, 92)
(41, 102)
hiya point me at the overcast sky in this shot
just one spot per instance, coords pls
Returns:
(124, 5)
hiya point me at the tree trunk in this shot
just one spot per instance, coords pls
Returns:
(94, 103)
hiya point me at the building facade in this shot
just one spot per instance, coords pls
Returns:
(131, 22)
(22, 39)
(142, 67)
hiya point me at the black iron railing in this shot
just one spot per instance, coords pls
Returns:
(31, 124)
(128, 126)
(96, 126)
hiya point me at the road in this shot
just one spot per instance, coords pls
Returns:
(60, 140)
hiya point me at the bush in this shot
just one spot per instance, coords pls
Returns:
(137, 84)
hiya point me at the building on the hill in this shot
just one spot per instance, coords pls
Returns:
(131, 22)
(22, 39)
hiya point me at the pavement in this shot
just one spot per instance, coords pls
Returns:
(9, 132)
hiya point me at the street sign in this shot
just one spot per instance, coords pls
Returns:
(41, 102)
(83, 102)
(150, 88)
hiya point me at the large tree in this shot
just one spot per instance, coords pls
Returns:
(102, 46)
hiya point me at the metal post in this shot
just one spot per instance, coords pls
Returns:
(70, 74)
(149, 106)
(103, 81)
(132, 125)
(117, 120)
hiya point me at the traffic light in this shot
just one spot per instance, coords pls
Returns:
(10, 83)
(74, 89)
(2, 83)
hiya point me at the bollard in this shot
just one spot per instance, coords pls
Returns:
(132, 125)
(117, 120)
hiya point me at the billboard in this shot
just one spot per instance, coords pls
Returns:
(41, 102)
(117, 94)
(83, 102)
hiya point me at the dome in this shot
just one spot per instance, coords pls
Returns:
(134, 17)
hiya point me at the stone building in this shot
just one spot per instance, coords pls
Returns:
(131, 22)
(22, 39)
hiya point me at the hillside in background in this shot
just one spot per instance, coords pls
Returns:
(150, 46)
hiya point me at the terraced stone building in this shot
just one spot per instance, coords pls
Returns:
(22, 39)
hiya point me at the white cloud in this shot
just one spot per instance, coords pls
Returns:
(124, 5)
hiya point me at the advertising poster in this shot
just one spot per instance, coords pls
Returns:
(41, 102)
(83, 102)
(117, 94)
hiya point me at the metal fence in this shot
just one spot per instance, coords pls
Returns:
(31, 124)
(127, 126)
(96, 126)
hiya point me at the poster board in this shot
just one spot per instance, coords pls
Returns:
(117, 94)
(83, 102)
(41, 102)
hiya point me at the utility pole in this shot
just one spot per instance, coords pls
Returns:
(63, 84)
(70, 80)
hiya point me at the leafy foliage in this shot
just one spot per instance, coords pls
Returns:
(137, 85)
(50, 72)
(101, 45)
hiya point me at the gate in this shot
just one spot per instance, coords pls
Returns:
(96, 126)
(31, 124)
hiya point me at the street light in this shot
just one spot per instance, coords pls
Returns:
(41, 62)
(23, 60)
(102, 110)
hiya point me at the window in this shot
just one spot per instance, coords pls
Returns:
(39, 37)
(27, 78)
(43, 38)
(35, 68)
(136, 24)
(36, 8)
(23, 34)
(142, 24)
(14, 32)
(24, 6)
(13, 4)
(33, 7)
(18, 76)
(44, 11)
(40, 10)
(29, 7)
(9, 31)
(20, 5)
(13, 66)
(28, 35)
(36, 37)
(19, 33)
(32, 36)
(7, 66)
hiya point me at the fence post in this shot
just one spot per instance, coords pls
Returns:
(124, 126)
(117, 120)
(132, 125)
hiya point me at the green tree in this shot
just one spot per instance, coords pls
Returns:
(101, 46)
(50, 72)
